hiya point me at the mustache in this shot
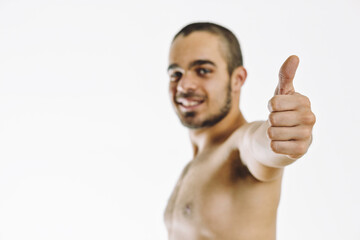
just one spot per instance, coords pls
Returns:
(189, 95)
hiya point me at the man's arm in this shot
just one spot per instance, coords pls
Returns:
(267, 147)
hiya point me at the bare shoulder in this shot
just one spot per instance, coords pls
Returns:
(240, 137)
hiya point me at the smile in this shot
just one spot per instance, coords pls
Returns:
(189, 104)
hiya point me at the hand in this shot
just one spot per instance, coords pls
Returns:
(291, 119)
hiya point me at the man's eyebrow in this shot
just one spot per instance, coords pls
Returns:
(172, 66)
(192, 64)
(201, 62)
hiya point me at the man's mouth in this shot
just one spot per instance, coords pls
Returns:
(189, 104)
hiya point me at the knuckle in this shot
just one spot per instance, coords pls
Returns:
(305, 132)
(313, 118)
(274, 147)
(309, 118)
(272, 119)
(305, 101)
(271, 104)
(301, 148)
(308, 132)
(284, 76)
(270, 132)
(274, 103)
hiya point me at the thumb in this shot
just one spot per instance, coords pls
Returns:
(286, 76)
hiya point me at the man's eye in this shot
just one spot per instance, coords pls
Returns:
(203, 71)
(175, 76)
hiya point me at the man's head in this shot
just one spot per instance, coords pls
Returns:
(206, 74)
(229, 43)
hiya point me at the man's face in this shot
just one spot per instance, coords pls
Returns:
(199, 87)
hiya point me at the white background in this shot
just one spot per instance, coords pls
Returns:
(90, 147)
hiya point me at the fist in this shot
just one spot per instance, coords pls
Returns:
(291, 119)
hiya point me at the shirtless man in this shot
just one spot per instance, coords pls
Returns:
(231, 188)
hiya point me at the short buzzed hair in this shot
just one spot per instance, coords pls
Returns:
(232, 55)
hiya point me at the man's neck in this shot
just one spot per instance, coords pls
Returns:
(202, 139)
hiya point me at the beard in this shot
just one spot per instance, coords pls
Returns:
(210, 120)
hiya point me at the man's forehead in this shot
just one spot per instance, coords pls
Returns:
(195, 46)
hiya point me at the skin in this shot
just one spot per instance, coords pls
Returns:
(231, 187)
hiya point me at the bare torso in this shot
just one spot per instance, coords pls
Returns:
(216, 197)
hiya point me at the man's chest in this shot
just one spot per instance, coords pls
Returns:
(216, 195)
(207, 191)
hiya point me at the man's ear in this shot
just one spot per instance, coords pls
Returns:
(238, 78)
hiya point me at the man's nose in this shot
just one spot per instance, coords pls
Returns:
(186, 84)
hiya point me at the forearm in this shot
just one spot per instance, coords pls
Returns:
(260, 146)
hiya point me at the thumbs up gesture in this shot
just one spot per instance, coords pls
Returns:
(291, 119)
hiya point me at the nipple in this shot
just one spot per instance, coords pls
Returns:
(188, 209)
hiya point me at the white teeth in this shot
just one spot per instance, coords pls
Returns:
(189, 103)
